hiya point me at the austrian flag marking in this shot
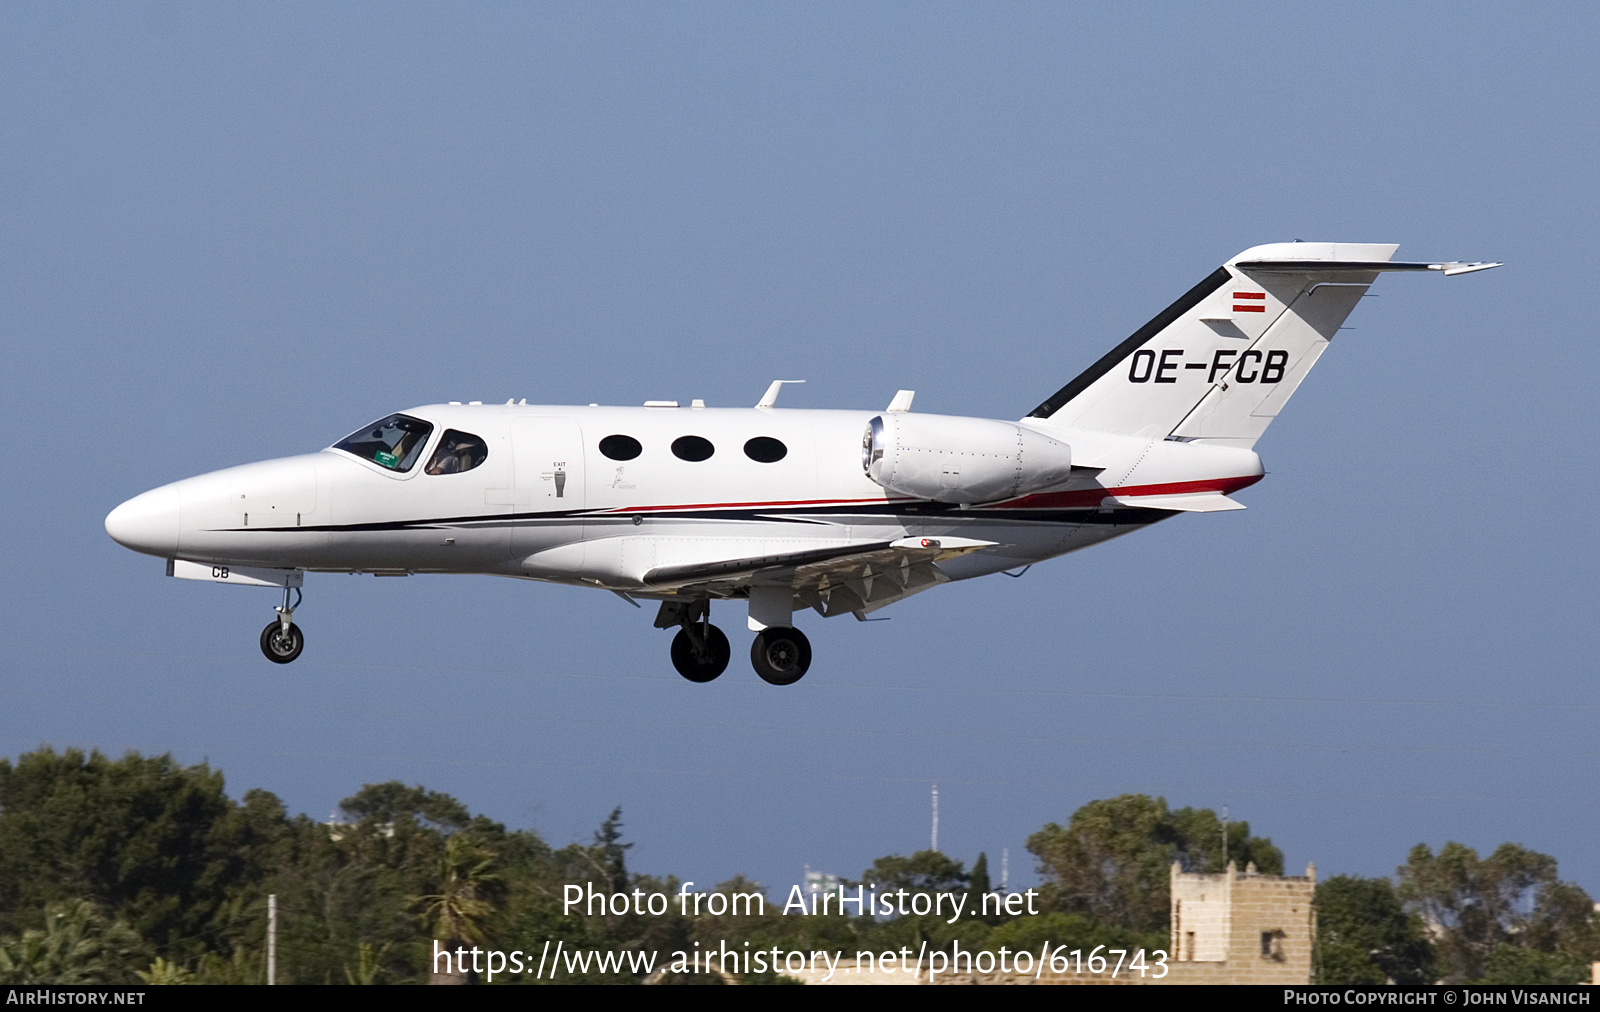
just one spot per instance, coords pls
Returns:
(1247, 307)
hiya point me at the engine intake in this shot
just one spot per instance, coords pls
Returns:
(960, 460)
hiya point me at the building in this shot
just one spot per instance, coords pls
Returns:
(818, 882)
(1236, 927)
(1242, 927)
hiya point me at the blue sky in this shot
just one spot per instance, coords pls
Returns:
(233, 232)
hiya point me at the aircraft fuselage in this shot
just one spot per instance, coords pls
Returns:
(547, 503)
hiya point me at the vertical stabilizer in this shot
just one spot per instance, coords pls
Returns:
(1220, 363)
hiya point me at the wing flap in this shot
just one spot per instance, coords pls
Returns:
(855, 579)
(815, 560)
(696, 572)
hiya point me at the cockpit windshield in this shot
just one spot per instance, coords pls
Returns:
(394, 442)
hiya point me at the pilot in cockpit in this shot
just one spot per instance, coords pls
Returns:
(457, 452)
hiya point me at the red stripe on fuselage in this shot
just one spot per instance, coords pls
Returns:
(1082, 498)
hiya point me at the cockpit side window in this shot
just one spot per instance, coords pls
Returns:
(394, 442)
(457, 452)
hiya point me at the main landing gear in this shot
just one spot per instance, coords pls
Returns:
(281, 640)
(700, 650)
(781, 655)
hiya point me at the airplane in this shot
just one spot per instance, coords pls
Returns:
(843, 512)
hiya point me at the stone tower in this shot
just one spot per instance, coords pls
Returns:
(1242, 927)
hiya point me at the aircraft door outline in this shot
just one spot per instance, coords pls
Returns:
(548, 478)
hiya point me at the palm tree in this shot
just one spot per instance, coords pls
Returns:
(369, 963)
(163, 972)
(467, 888)
(76, 946)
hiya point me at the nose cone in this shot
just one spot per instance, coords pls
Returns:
(147, 523)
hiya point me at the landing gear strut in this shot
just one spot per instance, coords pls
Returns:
(781, 655)
(281, 640)
(700, 651)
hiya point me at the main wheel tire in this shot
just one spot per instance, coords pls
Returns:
(701, 666)
(781, 656)
(280, 648)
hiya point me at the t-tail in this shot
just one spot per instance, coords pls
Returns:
(1220, 363)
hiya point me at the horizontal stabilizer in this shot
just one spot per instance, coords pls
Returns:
(1357, 266)
(1187, 502)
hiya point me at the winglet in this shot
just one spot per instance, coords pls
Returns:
(902, 401)
(770, 398)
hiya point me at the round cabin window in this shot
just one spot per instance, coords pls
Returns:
(620, 447)
(693, 448)
(765, 450)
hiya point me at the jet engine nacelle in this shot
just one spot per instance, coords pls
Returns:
(961, 460)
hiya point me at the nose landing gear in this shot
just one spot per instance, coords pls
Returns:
(281, 640)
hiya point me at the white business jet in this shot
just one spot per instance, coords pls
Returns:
(843, 512)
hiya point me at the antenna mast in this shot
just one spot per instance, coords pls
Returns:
(272, 938)
(936, 817)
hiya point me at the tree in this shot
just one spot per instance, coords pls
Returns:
(612, 851)
(1198, 844)
(979, 879)
(170, 865)
(369, 963)
(924, 871)
(1516, 964)
(1365, 935)
(393, 802)
(164, 973)
(537, 913)
(158, 845)
(77, 945)
(1512, 897)
(468, 886)
(1112, 861)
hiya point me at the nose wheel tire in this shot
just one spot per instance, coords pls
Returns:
(280, 647)
(781, 656)
(699, 661)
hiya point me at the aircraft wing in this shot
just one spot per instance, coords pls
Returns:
(855, 578)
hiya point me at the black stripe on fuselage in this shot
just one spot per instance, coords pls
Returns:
(1162, 320)
(809, 515)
